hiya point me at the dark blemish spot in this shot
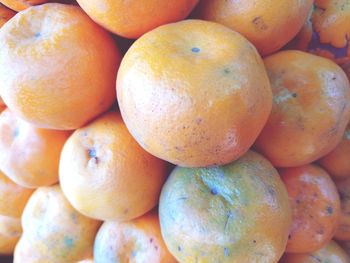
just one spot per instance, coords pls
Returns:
(294, 95)
(289, 236)
(69, 242)
(92, 153)
(315, 195)
(320, 231)
(229, 216)
(254, 241)
(259, 22)
(314, 257)
(334, 78)
(227, 71)
(151, 240)
(133, 254)
(329, 210)
(199, 120)
(38, 34)
(214, 191)
(298, 201)
(16, 132)
(156, 247)
(195, 49)
(126, 211)
(226, 252)
(271, 191)
(179, 248)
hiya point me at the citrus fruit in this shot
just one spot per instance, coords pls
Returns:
(10, 232)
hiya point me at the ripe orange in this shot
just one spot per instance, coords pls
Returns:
(10, 232)
(311, 108)
(343, 231)
(112, 177)
(194, 93)
(138, 240)
(133, 18)
(234, 213)
(13, 197)
(268, 24)
(28, 155)
(5, 14)
(315, 206)
(53, 231)
(57, 67)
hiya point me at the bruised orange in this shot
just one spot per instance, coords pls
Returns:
(28, 155)
(138, 240)
(133, 18)
(111, 178)
(194, 93)
(231, 214)
(268, 24)
(315, 206)
(5, 14)
(62, 66)
(311, 108)
(343, 231)
(10, 232)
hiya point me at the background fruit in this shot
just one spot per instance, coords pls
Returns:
(234, 213)
(343, 231)
(194, 93)
(5, 14)
(54, 82)
(10, 232)
(311, 108)
(268, 24)
(315, 207)
(112, 177)
(28, 155)
(19, 5)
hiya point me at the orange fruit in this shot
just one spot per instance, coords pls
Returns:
(112, 177)
(53, 231)
(28, 155)
(268, 24)
(315, 206)
(133, 18)
(19, 5)
(10, 232)
(345, 245)
(234, 213)
(138, 240)
(13, 197)
(5, 14)
(63, 66)
(326, 32)
(311, 108)
(194, 93)
(343, 231)
(336, 163)
(330, 253)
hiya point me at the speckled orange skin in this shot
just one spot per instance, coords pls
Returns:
(311, 108)
(53, 231)
(10, 232)
(233, 214)
(315, 206)
(343, 231)
(5, 14)
(112, 177)
(194, 93)
(20, 5)
(268, 24)
(337, 162)
(330, 253)
(326, 31)
(13, 197)
(136, 241)
(28, 155)
(63, 66)
(133, 18)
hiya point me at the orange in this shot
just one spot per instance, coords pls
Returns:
(315, 205)
(194, 93)
(330, 253)
(53, 231)
(106, 175)
(5, 14)
(336, 163)
(19, 5)
(28, 155)
(63, 66)
(133, 18)
(138, 240)
(10, 232)
(343, 231)
(13, 197)
(231, 214)
(268, 24)
(311, 108)
(327, 31)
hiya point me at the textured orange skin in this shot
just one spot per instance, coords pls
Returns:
(311, 108)
(134, 241)
(330, 253)
(315, 206)
(112, 177)
(10, 232)
(5, 14)
(53, 231)
(19, 5)
(133, 18)
(237, 213)
(13, 197)
(65, 76)
(330, 21)
(28, 155)
(194, 108)
(268, 24)
(337, 162)
(343, 231)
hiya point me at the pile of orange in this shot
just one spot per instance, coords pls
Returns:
(175, 131)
